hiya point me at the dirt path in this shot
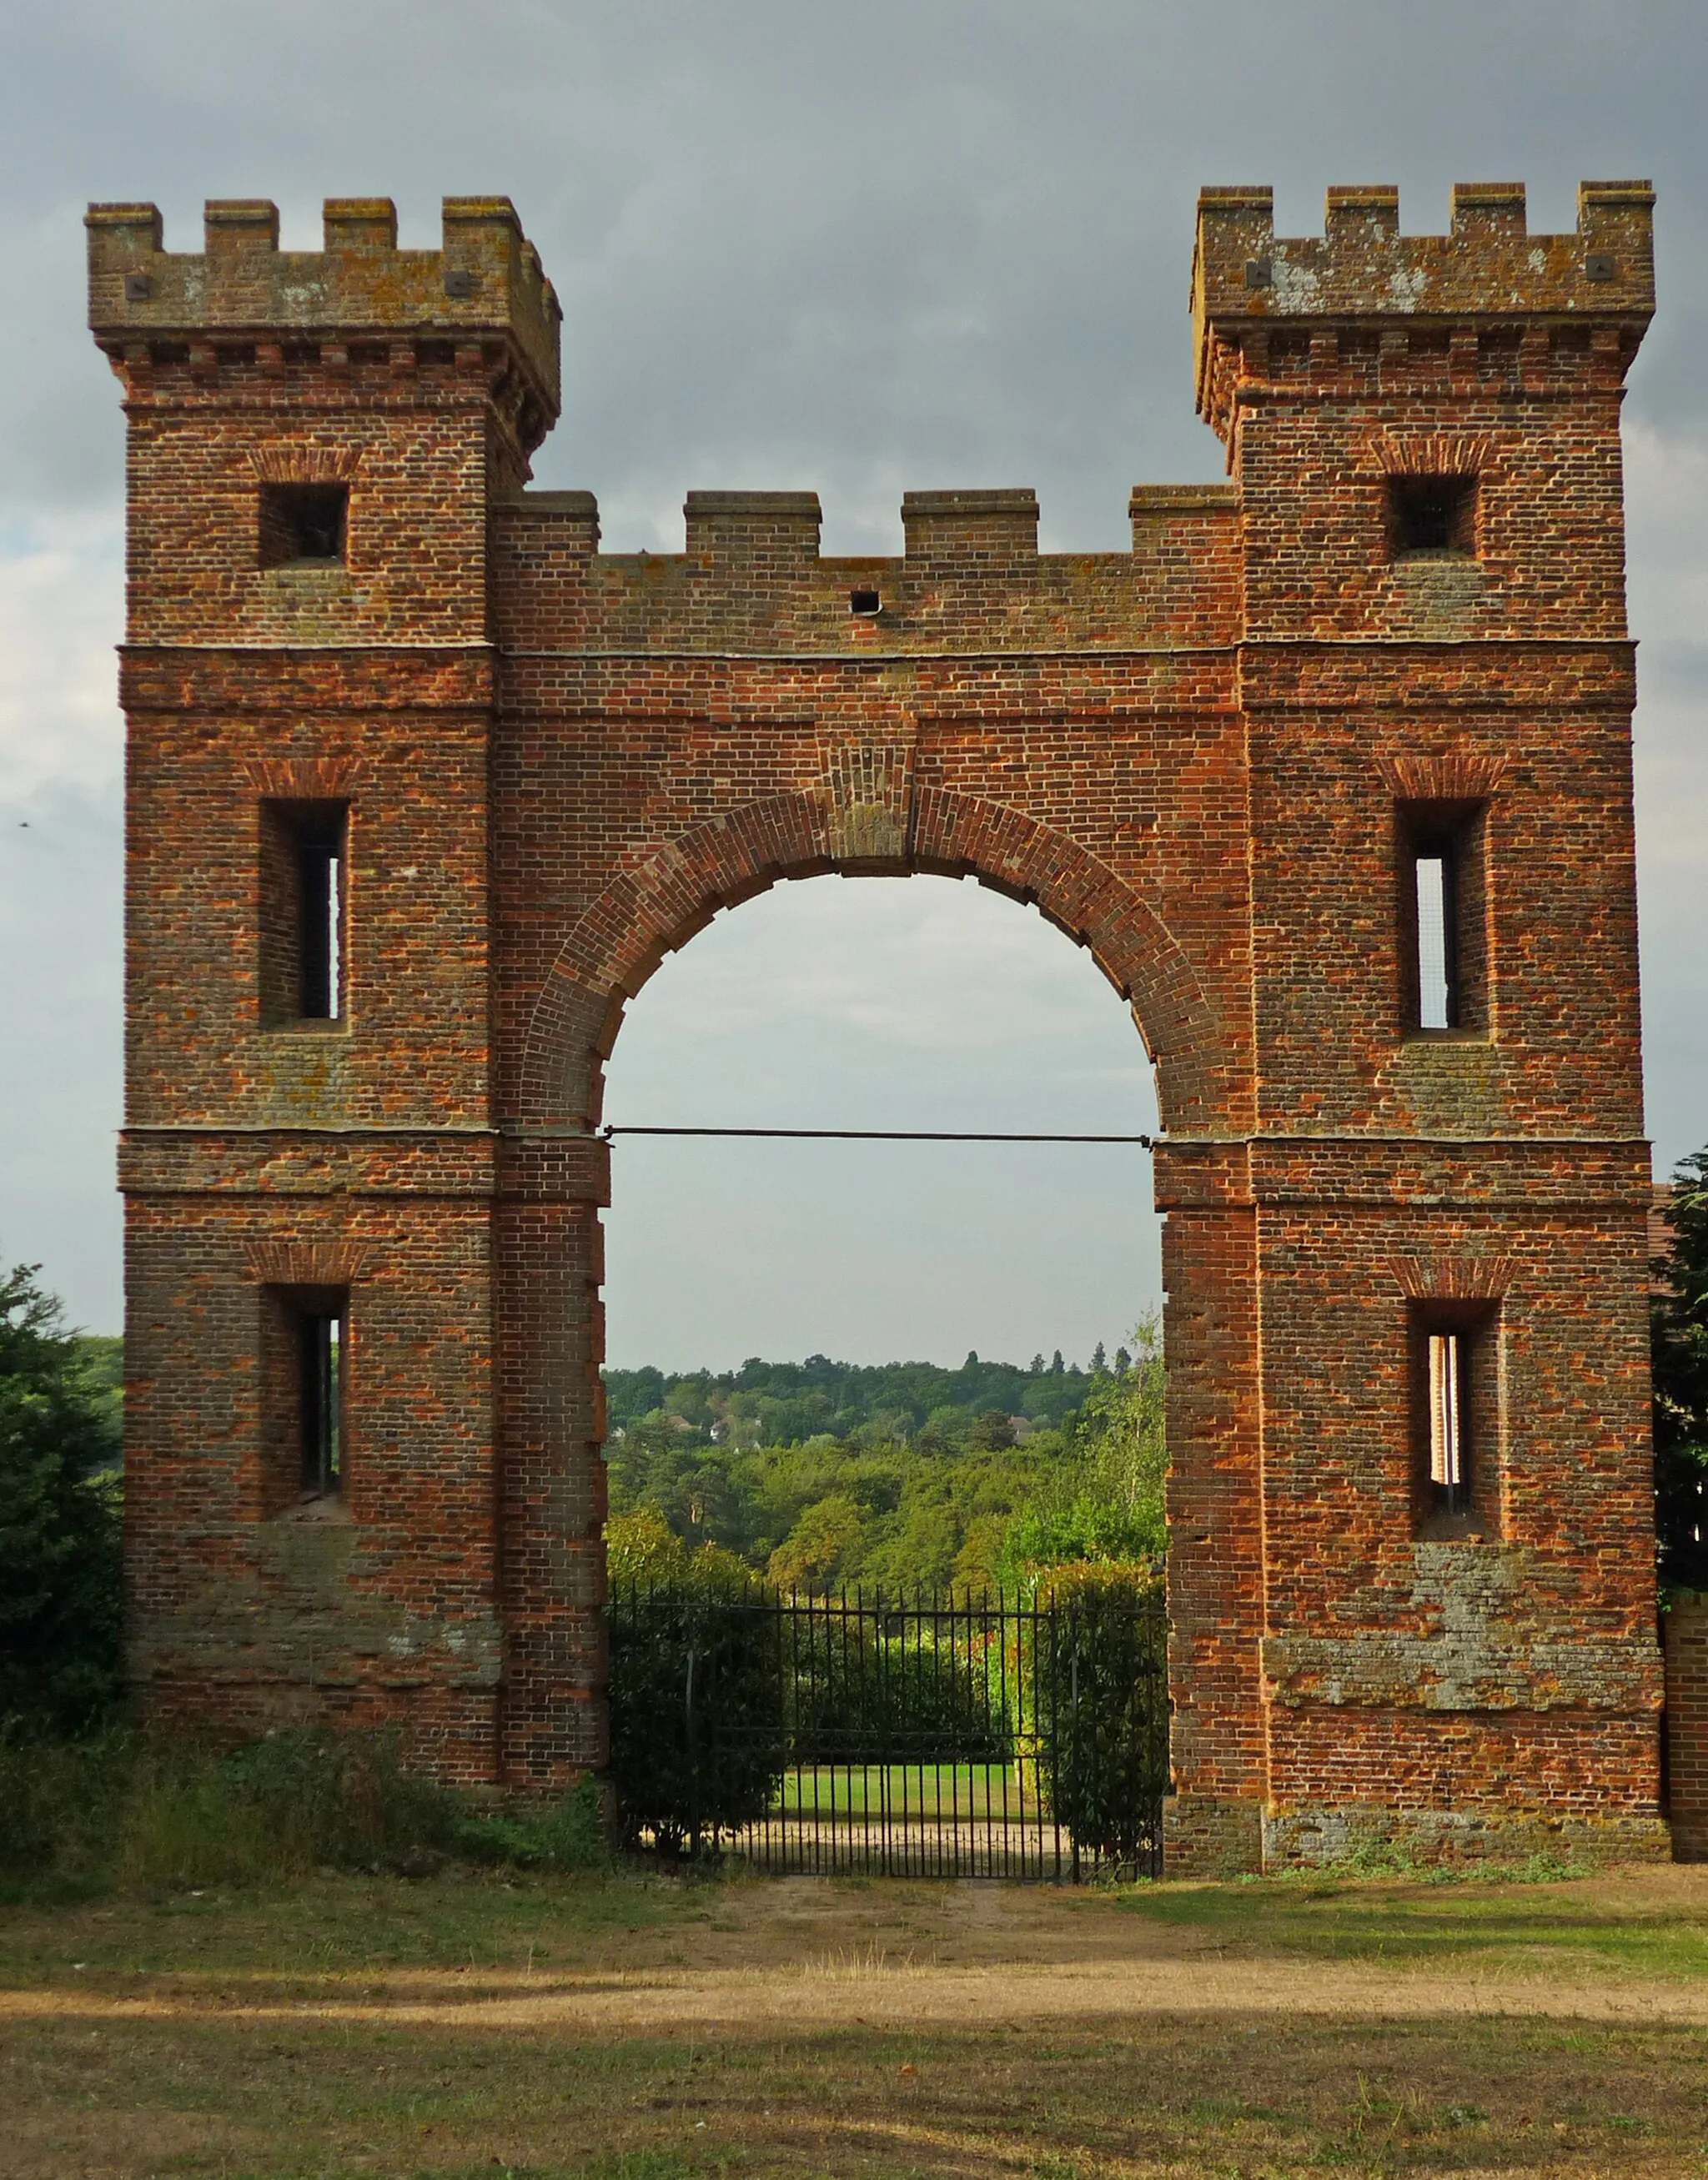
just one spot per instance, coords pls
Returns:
(777, 2000)
(813, 1954)
(909, 2030)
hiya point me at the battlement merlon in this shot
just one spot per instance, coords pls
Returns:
(1362, 271)
(486, 281)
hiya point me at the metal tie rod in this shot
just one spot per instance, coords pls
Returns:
(880, 1135)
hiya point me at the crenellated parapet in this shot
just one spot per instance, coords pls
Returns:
(1330, 774)
(1399, 297)
(485, 285)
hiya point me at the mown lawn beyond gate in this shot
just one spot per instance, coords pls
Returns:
(957, 1792)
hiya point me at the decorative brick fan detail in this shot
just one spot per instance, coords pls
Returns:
(1453, 1278)
(306, 1264)
(1454, 776)
(303, 778)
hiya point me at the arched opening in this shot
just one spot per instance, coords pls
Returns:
(933, 1005)
(860, 812)
(653, 908)
(888, 1395)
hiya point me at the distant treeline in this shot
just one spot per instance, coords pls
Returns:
(897, 1476)
(786, 1403)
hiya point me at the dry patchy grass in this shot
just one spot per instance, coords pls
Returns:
(640, 2028)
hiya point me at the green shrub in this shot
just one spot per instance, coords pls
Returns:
(1096, 1690)
(698, 1737)
(568, 1834)
(63, 1807)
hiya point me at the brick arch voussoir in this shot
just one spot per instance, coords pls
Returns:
(644, 915)
(1004, 847)
(649, 912)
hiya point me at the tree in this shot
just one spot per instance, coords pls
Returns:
(1680, 1349)
(1105, 1503)
(60, 1587)
(991, 1432)
(820, 1546)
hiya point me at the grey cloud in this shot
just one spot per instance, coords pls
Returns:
(911, 244)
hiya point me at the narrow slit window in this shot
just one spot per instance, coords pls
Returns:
(1437, 996)
(320, 1347)
(1442, 938)
(1455, 1422)
(303, 912)
(320, 897)
(1449, 1474)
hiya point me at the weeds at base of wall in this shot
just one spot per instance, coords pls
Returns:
(1381, 1860)
(79, 1817)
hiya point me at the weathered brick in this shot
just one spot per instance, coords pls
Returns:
(1196, 758)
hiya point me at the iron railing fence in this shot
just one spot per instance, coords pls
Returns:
(936, 1737)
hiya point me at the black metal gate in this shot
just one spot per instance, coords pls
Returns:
(939, 1737)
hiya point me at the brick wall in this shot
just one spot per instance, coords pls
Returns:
(1687, 1726)
(1203, 759)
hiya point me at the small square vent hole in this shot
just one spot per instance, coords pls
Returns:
(865, 605)
(1429, 516)
(303, 522)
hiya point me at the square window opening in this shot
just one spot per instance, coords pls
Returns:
(1440, 855)
(303, 523)
(304, 912)
(1432, 517)
(1455, 1421)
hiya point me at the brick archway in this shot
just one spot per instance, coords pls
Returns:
(1390, 653)
(652, 910)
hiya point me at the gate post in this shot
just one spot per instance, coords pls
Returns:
(1687, 1725)
(549, 1263)
(1213, 1816)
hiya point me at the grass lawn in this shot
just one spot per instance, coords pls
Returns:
(639, 2028)
(971, 1791)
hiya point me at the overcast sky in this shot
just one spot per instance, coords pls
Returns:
(858, 248)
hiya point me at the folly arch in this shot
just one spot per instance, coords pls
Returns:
(652, 910)
(366, 665)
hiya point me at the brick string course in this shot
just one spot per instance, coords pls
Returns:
(1198, 757)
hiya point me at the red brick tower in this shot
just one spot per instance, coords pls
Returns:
(1331, 772)
(315, 445)
(1436, 683)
